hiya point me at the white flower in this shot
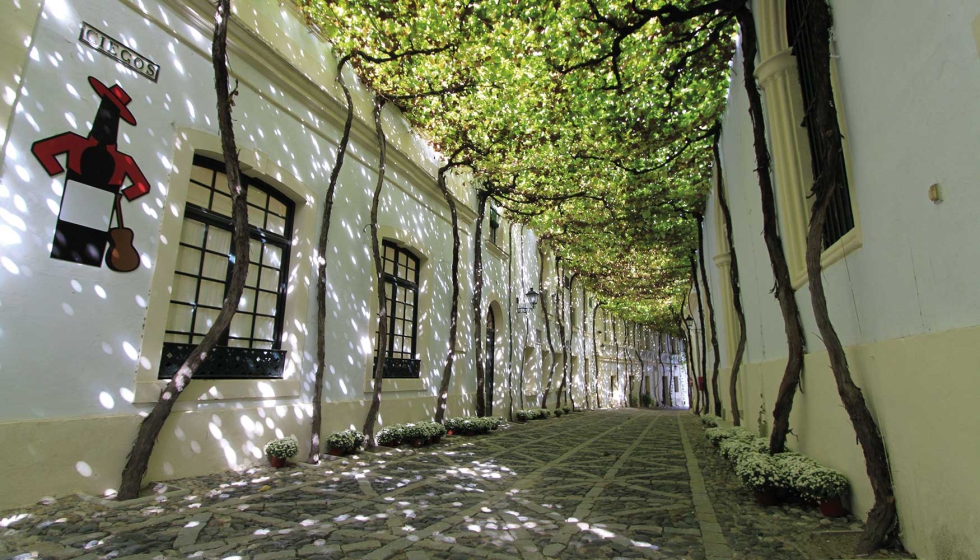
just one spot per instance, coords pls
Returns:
(282, 448)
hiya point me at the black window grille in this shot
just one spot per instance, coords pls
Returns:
(840, 216)
(401, 284)
(494, 225)
(251, 347)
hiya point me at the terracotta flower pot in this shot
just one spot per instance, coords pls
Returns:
(832, 507)
(765, 498)
(276, 462)
(449, 432)
(436, 439)
(417, 442)
(336, 452)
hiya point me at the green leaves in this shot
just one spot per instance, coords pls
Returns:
(588, 120)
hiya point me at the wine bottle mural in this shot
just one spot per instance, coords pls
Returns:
(90, 227)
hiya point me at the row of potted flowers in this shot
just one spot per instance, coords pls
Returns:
(472, 426)
(416, 434)
(540, 413)
(784, 475)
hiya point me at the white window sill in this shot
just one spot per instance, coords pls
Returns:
(496, 251)
(852, 241)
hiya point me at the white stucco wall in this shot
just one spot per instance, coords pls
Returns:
(79, 346)
(905, 303)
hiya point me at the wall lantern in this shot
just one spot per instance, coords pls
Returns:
(532, 300)
(689, 321)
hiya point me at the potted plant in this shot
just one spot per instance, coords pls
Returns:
(435, 431)
(566, 409)
(414, 434)
(521, 416)
(558, 412)
(468, 427)
(826, 487)
(342, 443)
(717, 435)
(391, 436)
(761, 474)
(278, 450)
(710, 421)
(452, 426)
(738, 445)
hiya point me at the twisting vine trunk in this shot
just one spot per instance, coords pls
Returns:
(447, 371)
(595, 356)
(822, 115)
(372, 415)
(585, 368)
(770, 231)
(693, 393)
(703, 381)
(321, 281)
(570, 396)
(641, 376)
(510, 322)
(736, 285)
(481, 209)
(658, 395)
(711, 316)
(693, 396)
(527, 326)
(152, 425)
(547, 330)
(561, 335)
(616, 349)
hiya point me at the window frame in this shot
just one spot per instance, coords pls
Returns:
(789, 145)
(399, 368)
(146, 383)
(494, 223)
(840, 213)
(263, 363)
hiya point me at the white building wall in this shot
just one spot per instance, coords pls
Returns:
(904, 303)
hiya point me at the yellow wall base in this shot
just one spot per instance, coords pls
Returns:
(58, 457)
(922, 392)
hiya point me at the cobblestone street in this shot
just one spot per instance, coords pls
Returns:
(625, 483)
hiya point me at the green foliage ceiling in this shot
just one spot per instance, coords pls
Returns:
(591, 121)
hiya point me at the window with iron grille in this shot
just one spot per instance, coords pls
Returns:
(401, 283)
(494, 225)
(251, 347)
(840, 216)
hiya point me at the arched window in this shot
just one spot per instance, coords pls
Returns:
(401, 283)
(840, 217)
(251, 346)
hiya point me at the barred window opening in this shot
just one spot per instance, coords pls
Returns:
(251, 346)
(401, 285)
(840, 216)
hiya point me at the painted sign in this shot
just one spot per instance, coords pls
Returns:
(93, 188)
(118, 51)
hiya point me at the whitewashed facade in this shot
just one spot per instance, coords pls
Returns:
(81, 345)
(901, 285)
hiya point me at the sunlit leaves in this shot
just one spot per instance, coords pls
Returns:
(587, 120)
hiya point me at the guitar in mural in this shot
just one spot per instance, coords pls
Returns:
(93, 189)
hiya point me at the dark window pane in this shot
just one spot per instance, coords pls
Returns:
(202, 276)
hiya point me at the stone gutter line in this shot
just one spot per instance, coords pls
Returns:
(715, 544)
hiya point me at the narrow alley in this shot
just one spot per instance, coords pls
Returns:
(601, 484)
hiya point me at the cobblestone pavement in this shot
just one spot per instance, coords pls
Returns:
(604, 484)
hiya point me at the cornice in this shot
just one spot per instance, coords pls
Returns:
(246, 45)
